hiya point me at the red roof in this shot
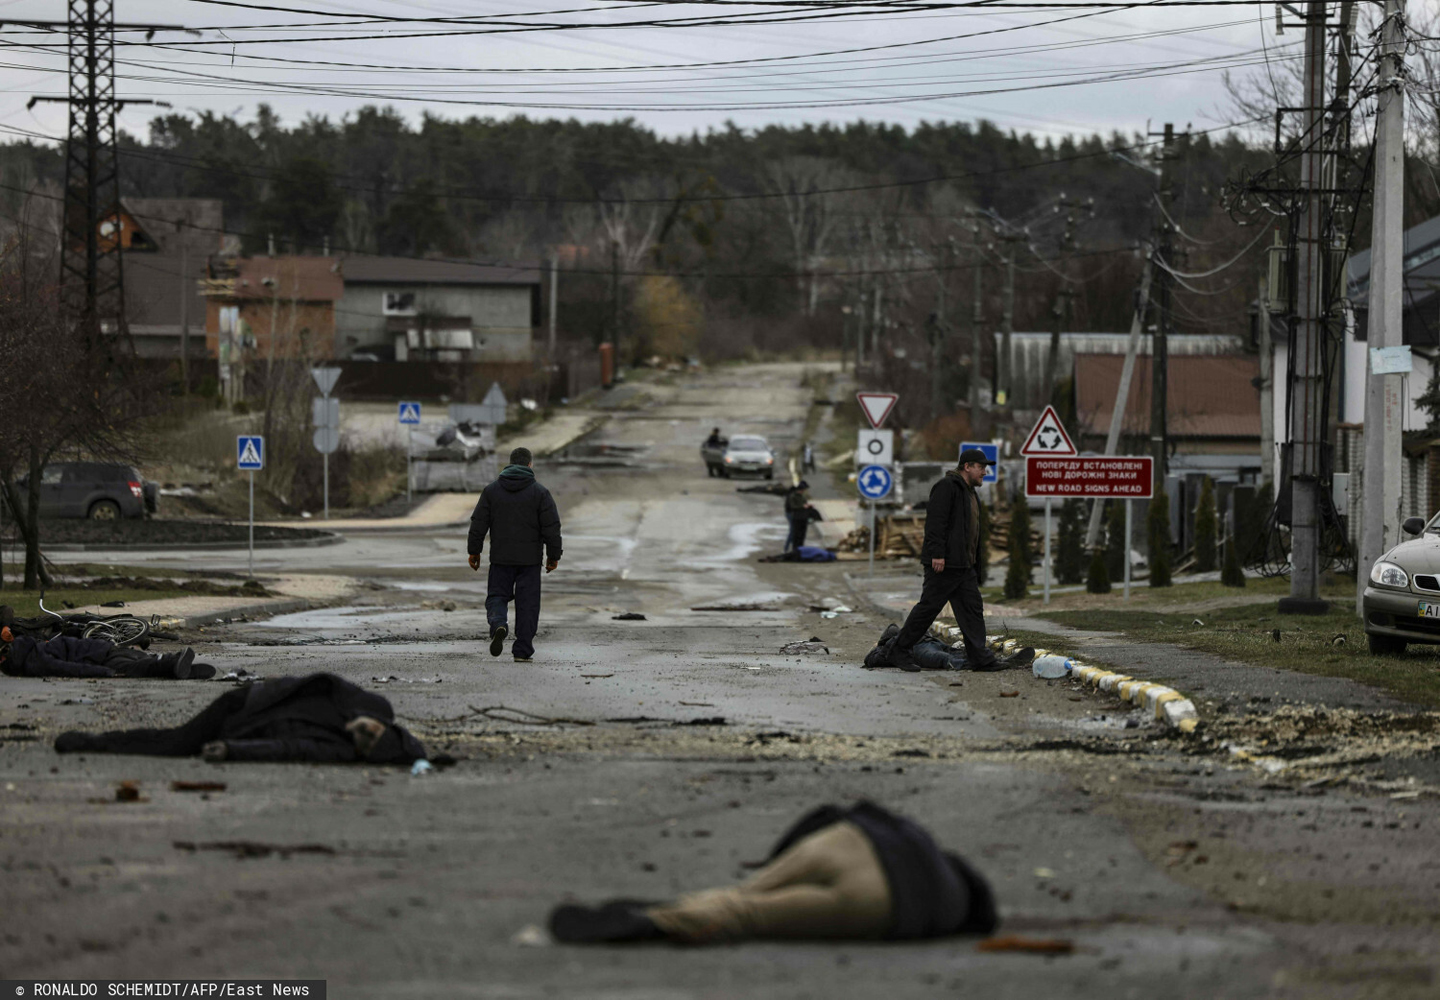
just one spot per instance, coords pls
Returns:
(1208, 395)
(308, 279)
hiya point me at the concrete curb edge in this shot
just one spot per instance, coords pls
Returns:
(277, 607)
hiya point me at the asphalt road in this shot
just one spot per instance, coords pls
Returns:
(1176, 869)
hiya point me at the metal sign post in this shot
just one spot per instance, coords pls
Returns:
(874, 483)
(870, 573)
(1127, 549)
(327, 422)
(1047, 550)
(250, 457)
(409, 416)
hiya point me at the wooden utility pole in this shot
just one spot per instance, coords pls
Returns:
(1160, 345)
(1007, 318)
(1380, 514)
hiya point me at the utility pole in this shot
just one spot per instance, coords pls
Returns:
(187, 289)
(554, 301)
(1061, 313)
(1307, 415)
(1267, 385)
(1160, 345)
(1007, 317)
(91, 276)
(615, 295)
(1380, 513)
(939, 331)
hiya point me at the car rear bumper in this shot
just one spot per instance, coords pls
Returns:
(1393, 613)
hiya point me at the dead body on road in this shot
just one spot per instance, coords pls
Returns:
(318, 717)
(70, 656)
(523, 524)
(857, 873)
(950, 555)
(931, 653)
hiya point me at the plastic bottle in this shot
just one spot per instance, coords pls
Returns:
(1051, 667)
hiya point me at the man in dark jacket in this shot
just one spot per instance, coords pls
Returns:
(950, 555)
(797, 513)
(520, 516)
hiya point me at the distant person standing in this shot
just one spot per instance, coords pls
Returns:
(520, 516)
(807, 458)
(797, 512)
(950, 556)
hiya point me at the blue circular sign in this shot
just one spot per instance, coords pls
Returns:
(875, 482)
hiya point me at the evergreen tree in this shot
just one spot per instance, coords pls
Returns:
(1205, 528)
(1158, 524)
(1116, 544)
(1098, 582)
(1017, 577)
(1070, 559)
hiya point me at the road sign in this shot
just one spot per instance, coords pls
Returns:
(992, 453)
(325, 412)
(876, 406)
(875, 448)
(409, 413)
(1116, 477)
(327, 440)
(325, 378)
(249, 452)
(875, 482)
(1048, 437)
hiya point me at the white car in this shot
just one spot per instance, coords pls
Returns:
(1401, 605)
(747, 454)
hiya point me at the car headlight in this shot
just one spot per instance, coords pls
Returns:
(770, 461)
(1387, 574)
(729, 460)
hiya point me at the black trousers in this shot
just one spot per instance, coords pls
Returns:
(520, 584)
(799, 527)
(961, 588)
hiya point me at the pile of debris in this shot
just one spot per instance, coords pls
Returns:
(898, 536)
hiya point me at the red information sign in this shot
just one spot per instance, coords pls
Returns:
(1119, 477)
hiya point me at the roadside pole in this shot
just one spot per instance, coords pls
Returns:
(1128, 508)
(1047, 551)
(409, 416)
(326, 418)
(870, 573)
(252, 526)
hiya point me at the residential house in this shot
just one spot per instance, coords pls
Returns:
(406, 309)
(166, 243)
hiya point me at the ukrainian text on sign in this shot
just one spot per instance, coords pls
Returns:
(1125, 477)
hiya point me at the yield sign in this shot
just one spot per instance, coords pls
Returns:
(1048, 438)
(877, 406)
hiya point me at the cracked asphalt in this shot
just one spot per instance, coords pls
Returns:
(646, 758)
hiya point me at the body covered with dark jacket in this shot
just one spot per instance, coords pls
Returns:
(952, 523)
(72, 656)
(286, 718)
(521, 519)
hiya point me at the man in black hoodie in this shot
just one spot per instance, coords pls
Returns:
(520, 516)
(949, 556)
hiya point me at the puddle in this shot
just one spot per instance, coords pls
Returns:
(350, 617)
(745, 540)
(601, 454)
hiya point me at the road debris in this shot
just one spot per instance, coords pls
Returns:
(129, 791)
(629, 616)
(197, 786)
(1033, 946)
(392, 679)
(252, 848)
(812, 645)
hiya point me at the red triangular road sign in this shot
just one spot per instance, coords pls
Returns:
(1048, 438)
(876, 406)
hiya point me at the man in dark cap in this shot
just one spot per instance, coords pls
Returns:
(950, 557)
(797, 513)
(520, 517)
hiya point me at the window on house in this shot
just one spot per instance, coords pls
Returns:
(399, 304)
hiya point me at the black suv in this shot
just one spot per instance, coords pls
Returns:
(101, 491)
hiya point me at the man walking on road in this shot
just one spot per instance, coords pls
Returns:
(520, 516)
(950, 556)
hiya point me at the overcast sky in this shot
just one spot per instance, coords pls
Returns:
(1023, 72)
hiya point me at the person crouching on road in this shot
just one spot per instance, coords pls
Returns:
(520, 516)
(797, 512)
(950, 556)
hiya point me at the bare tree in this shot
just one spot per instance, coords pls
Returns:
(812, 212)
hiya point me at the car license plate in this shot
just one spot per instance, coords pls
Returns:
(1428, 610)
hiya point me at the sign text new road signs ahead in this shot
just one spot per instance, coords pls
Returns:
(874, 482)
(992, 454)
(1048, 437)
(249, 452)
(409, 413)
(877, 406)
(1115, 477)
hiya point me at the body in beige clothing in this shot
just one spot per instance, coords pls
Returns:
(828, 885)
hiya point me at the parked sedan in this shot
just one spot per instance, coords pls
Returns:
(1402, 602)
(747, 454)
(101, 491)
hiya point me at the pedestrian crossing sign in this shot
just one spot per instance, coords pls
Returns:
(409, 413)
(249, 452)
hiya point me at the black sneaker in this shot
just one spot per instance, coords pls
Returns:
(183, 662)
(497, 639)
(902, 658)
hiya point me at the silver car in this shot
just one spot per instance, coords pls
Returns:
(1402, 602)
(746, 454)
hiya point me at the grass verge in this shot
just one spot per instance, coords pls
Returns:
(27, 602)
(1329, 645)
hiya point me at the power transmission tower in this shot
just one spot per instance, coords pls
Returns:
(91, 269)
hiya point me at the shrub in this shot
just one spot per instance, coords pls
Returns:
(1017, 577)
(1116, 543)
(1231, 575)
(1070, 558)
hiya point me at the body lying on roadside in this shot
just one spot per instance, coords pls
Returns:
(67, 656)
(318, 717)
(857, 873)
(932, 654)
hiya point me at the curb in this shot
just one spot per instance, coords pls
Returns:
(211, 617)
(1168, 705)
(273, 543)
